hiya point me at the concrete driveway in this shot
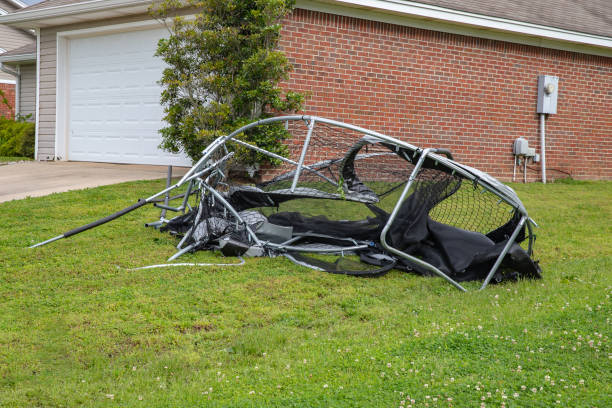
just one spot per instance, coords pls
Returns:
(34, 179)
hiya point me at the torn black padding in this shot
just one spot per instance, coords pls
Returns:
(462, 255)
(457, 246)
(363, 230)
(349, 176)
(181, 224)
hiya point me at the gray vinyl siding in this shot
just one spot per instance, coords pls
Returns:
(12, 38)
(48, 64)
(6, 77)
(9, 7)
(27, 91)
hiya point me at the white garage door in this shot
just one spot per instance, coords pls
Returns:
(113, 99)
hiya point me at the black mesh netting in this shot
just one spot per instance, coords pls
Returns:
(346, 190)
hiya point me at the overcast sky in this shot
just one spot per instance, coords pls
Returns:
(30, 2)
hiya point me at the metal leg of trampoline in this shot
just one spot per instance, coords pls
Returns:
(168, 183)
(501, 256)
(298, 170)
(181, 252)
(162, 216)
(398, 205)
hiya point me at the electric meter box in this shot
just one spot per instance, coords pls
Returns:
(548, 89)
(520, 147)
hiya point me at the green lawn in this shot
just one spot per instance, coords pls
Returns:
(79, 329)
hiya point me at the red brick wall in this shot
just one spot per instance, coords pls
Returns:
(9, 93)
(472, 95)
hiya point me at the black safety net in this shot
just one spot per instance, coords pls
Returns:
(346, 190)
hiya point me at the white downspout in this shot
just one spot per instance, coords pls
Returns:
(543, 145)
(37, 108)
(18, 92)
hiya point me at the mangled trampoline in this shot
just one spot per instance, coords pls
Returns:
(370, 201)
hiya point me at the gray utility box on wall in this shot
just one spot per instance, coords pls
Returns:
(548, 89)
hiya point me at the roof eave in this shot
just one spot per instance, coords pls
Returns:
(95, 9)
(426, 11)
(30, 57)
(44, 17)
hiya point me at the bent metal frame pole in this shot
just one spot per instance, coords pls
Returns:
(501, 256)
(131, 208)
(91, 225)
(298, 171)
(398, 205)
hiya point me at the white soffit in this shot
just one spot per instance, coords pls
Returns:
(434, 18)
(92, 10)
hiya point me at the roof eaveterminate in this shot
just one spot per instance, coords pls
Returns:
(584, 16)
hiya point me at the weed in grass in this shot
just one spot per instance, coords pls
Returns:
(78, 328)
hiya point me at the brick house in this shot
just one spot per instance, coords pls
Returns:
(446, 73)
(11, 39)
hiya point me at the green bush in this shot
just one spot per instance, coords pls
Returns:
(224, 71)
(16, 137)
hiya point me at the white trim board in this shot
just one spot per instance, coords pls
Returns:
(110, 29)
(434, 18)
(8, 81)
(11, 59)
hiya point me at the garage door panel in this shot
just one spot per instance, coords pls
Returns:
(114, 111)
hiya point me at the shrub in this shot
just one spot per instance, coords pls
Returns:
(16, 137)
(223, 72)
